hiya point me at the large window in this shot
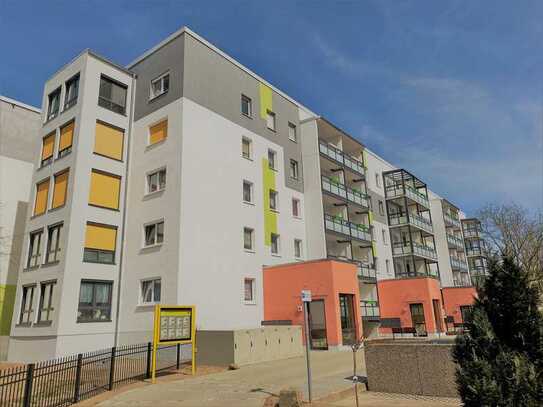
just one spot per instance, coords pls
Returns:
(72, 90)
(45, 309)
(156, 180)
(158, 132)
(42, 197)
(34, 249)
(94, 301)
(246, 106)
(66, 139)
(60, 188)
(109, 141)
(248, 239)
(100, 243)
(154, 233)
(26, 317)
(54, 104)
(160, 85)
(112, 95)
(249, 289)
(294, 169)
(53, 243)
(47, 149)
(105, 189)
(150, 291)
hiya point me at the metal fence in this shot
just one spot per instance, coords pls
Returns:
(67, 380)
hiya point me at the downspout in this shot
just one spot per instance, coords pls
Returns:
(125, 199)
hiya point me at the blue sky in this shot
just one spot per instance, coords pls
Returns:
(452, 90)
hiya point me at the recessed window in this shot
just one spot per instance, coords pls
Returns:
(272, 158)
(160, 85)
(100, 243)
(54, 104)
(292, 135)
(247, 191)
(66, 139)
(249, 289)
(156, 181)
(298, 248)
(34, 249)
(72, 90)
(296, 208)
(384, 235)
(105, 190)
(94, 301)
(246, 106)
(275, 244)
(381, 208)
(248, 238)
(108, 141)
(158, 132)
(387, 265)
(377, 180)
(293, 169)
(112, 95)
(26, 317)
(42, 197)
(45, 309)
(270, 120)
(47, 149)
(274, 200)
(52, 253)
(60, 189)
(150, 291)
(246, 148)
(154, 233)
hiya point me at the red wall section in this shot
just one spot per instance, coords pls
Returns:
(325, 278)
(454, 297)
(396, 295)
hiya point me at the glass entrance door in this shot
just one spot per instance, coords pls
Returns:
(417, 318)
(317, 325)
(346, 313)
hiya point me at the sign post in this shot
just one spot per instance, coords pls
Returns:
(174, 324)
(306, 299)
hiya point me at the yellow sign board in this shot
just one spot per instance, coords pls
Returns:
(174, 324)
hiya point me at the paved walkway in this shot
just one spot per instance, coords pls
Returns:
(371, 399)
(248, 386)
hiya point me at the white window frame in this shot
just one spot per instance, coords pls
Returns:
(149, 174)
(31, 311)
(160, 78)
(274, 155)
(271, 117)
(251, 301)
(300, 243)
(294, 169)
(252, 233)
(250, 143)
(278, 251)
(292, 126)
(41, 246)
(46, 287)
(153, 280)
(155, 223)
(251, 192)
(275, 200)
(249, 104)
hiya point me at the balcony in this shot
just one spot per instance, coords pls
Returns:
(451, 220)
(478, 270)
(370, 310)
(458, 264)
(344, 227)
(367, 272)
(396, 191)
(400, 249)
(471, 233)
(340, 157)
(413, 219)
(474, 251)
(338, 189)
(455, 242)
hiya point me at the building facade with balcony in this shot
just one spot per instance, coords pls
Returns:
(475, 249)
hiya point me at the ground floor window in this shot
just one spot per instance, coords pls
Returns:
(27, 305)
(150, 291)
(45, 311)
(95, 301)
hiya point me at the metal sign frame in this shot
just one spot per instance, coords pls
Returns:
(157, 341)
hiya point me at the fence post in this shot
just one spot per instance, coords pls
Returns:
(27, 397)
(78, 377)
(149, 355)
(178, 355)
(112, 368)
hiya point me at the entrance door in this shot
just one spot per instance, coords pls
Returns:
(417, 318)
(346, 312)
(317, 325)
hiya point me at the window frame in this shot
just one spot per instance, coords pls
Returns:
(274, 156)
(156, 172)
(50, 309)
(252, 282)
(251, 232)
(294, 128)
(384, 236)
(250, 144)
(49, 160)
(55, 176)
(298, 245)
(65, 151)
(249, 101)
(296, 203)
(29, 320)
(294, 170)
(251, 192)
(377, 180)
(275, 194)
(111, 175)
(155, 243)
(381, 206)
(153, 301)
(273, 116)
(50, 229)
(68, 103)
(37, 256)
(98, 252)
(50, 114)
(277, 237)
(109, 104)
(94, 305)
(152, 95)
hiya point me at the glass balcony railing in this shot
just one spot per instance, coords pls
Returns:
(397, 190)
(366, 271)
(339, 225)
(474, 251)
(469, 233)
(451, 220)
(369, 309)
(415, 220)
(458, 264)
(336, 188)
(339, 156)
(455, 241)
(400, 249)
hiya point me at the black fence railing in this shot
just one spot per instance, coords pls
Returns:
(65, 381)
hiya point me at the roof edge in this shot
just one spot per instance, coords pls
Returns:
(20, 104)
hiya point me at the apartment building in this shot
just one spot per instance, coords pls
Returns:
(475, 249)
(178, 179)
(19, 125)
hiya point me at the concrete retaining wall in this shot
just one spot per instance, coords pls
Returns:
(411, 368)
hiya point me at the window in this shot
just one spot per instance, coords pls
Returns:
(42, 197)
(26, 316)
(72, 90)
(53, 243)
(275, 244)
(377, 180)
(150, 291)
(45, 309)
(160, 85)
(387, 265)
(94, 301)
(109, 141)
(270, 120)
(248, 238)
(158, 132)
(274, 204)
(246, 106)
(112, 95)
(66, 139)
(246, 148)
(47, 149)
(247, 191)
(292, 132)
(297, 248)
(34, 249)
(60, 188)
(54, 104)
(100, 243)
(249, 290)
(384, 235)
(296, 208)
(156, 181)
(381, 208)
(154, 233)
(105, 189)
(272, 155)
(293, 169)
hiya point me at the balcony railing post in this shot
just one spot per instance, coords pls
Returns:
(149, 355)
(78, 377)
(112, 368)
(27, 396)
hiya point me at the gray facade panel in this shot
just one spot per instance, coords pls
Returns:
(19, 132)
